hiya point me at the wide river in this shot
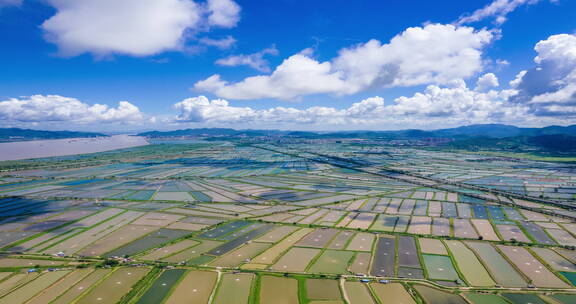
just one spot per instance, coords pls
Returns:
(69, 146)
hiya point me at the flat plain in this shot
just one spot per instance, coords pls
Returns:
(223, 221)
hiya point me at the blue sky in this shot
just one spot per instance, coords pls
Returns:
(116, 65)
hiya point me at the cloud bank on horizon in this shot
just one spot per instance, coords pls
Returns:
(454, 81)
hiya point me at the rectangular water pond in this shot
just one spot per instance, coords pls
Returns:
(149, 241)
(383, 263)
(161, 286)
(439, 267)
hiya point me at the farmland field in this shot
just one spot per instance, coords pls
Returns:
(234, 288)
(502, 271)
(392, 293)
(440, 267)
(195, 287)
(435, 296)
(114, 287)
(275, 290)
(358, 293)
(296, 259)
(477, 298)
(162, 286)
(473, 271)
(235, 222)
(319, 289)
(332, 261)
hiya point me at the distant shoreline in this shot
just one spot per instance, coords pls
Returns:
(30, 149)
(14, 140)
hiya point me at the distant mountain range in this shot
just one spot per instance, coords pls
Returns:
(501, 131)
(15, 134)
(552, 140)
(192, 132)
(556, 144)
(484, 130)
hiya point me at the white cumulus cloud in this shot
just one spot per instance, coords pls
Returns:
(298, 75)
(55, 108)
(518, 79)
(132, 27)
(451, 104)
(201, 109)
(550, 87)
(223, 43)
(487, 81)
(223, 13)
(434, 53)
(459, 103)
(255, 60)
